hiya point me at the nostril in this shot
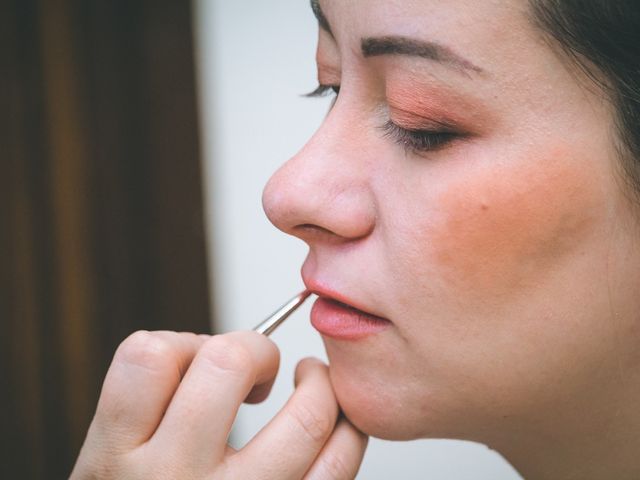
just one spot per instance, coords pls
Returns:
(309, 226)
(310, 233)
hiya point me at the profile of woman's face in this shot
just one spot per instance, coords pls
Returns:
(465, 187)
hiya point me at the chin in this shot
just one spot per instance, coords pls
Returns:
(373, 410)
(388, 406)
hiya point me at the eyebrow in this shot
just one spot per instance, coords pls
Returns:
(322, 20)
(398, 45)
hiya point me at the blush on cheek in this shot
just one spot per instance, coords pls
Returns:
(501, 230)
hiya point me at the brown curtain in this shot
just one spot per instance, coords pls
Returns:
(101, 227)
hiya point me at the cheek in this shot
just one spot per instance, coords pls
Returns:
(501, 229)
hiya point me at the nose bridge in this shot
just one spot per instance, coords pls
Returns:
(326, 186)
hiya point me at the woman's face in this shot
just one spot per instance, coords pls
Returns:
(464, 186)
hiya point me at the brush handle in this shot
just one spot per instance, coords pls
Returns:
(272, 322)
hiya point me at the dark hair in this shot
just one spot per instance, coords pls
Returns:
(602, 37)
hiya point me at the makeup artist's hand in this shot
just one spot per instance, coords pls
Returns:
(169, 400)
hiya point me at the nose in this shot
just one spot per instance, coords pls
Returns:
(324, 192)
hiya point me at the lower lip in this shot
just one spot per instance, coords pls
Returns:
(336, 320)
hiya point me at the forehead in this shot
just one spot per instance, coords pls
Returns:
(424, 13)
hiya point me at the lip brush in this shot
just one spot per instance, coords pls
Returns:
(271, 323)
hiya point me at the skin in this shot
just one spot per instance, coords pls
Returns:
(169, 400)
(507, 260)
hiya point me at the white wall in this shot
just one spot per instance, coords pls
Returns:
(255, 59)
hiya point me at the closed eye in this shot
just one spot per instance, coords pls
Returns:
(419, 141)
(323, 91)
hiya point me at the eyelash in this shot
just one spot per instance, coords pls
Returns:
(323, 91)
(417, 141)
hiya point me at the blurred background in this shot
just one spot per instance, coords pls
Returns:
(136, 138)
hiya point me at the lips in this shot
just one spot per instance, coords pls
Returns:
(335, 318)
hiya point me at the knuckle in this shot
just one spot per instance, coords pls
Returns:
(316, 426)
(228, 356)
(335, 466)
(103, 463)
(144, 349)
(99, 462)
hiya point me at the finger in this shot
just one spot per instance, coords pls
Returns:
(222, 374)
(341, 456)
(287, 446)
(260, 392)
(143, 376)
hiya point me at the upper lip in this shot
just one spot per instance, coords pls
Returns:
(325, 292)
